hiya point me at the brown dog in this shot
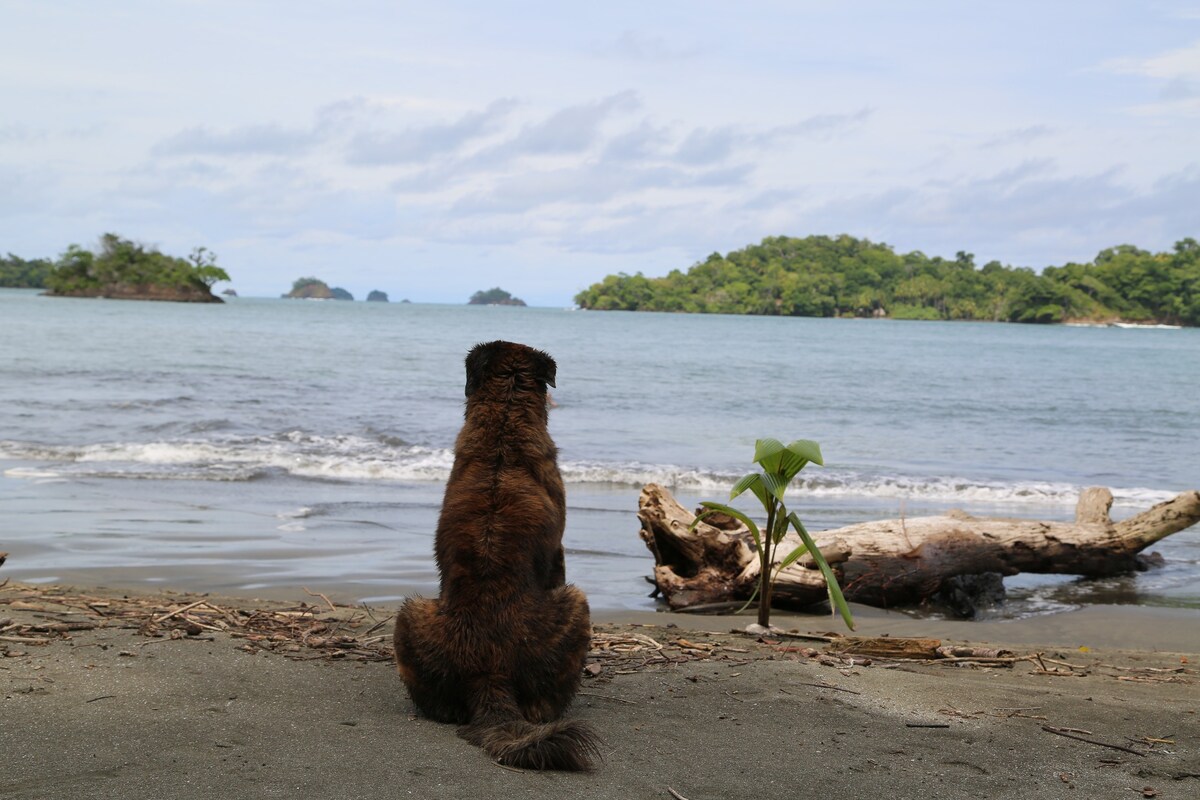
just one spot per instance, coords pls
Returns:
(501, 651)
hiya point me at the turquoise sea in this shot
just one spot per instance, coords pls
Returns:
(266, 445)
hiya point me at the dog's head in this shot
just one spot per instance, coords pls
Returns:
(519, 362)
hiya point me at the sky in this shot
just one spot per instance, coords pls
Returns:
(432, 150)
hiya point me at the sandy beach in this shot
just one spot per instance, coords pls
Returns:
(112, 694)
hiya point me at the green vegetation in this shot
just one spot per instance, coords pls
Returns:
(822, 276)
(314, 289)
(494, 297)
(305, 288)
(17, 273)
(124, 268)
(780, 464)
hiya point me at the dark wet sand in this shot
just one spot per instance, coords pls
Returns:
(111, 713)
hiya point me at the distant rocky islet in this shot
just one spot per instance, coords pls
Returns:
(494, 297)
(316, 289)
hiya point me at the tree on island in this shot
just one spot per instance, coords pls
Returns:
(377, 296)
(823, 276)
(17, 273)
(127, 270)
(315, 289)
(494, 297)
(309, 288)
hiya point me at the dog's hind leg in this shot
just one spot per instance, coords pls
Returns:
(553, 664)
(422, 660)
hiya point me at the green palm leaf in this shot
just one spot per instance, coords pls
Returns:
(767, 454)
(733, 512)
(753, 482)
(796, 456)
(791, 557)
(776, 485)
(836, 598)
(807, 449)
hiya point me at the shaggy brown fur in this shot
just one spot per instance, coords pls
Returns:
(501, 651)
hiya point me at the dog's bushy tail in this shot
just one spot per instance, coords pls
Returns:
(563, 744)
(498, 727)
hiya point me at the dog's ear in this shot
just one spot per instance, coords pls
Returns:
(544, 368)
(477, 365)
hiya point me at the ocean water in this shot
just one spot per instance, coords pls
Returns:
(269, 445)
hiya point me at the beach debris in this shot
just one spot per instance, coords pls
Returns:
(327, 631)
(1071, 671)
(892, 563)
(962, 651)
(887, 647)
(828, 686)
(1071, 733)
(332, 607)
(614, 698)
(300, 632)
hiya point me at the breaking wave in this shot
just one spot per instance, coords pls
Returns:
(380, 458)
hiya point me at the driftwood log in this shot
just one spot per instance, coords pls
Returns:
(902, 561)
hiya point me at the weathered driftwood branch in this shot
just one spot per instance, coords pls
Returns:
(896, 562)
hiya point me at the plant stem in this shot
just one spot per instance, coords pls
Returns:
(764, 574)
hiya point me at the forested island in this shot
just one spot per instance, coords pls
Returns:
(125, 270)
(18, 273)
(494, 297)
(314, 289)
(830, 276)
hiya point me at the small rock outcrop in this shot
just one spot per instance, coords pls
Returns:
(310, 289)
(377, 296)
(494, 297)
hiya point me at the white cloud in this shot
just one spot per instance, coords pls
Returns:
(571, 130)
(590, 185)
(636, 46)
(711, 145)
(1018, 136)
(818, 126)
(1175, 73)
(417, 144)
(269, 139)
(16, 133)
(1179, 63)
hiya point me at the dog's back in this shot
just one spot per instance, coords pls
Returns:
(502, 649)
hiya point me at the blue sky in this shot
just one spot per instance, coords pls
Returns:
(430, 152)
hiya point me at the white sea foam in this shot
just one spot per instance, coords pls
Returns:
(355, 458)
(31, 473)
(845, 483)
(295, 513)
(329, 458)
